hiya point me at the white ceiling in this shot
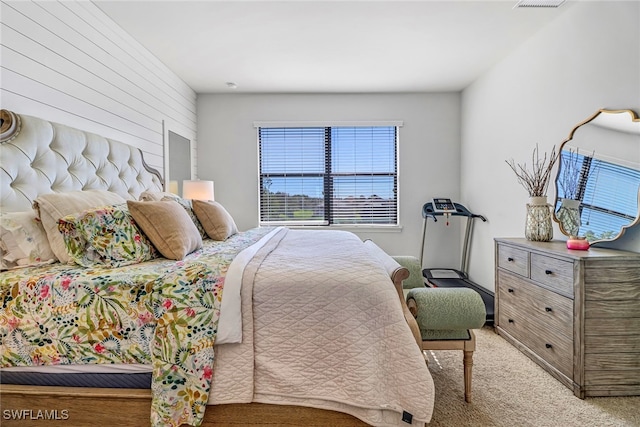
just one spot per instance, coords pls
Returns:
(301, 46)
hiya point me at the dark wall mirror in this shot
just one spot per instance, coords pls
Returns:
(598, 179)
(179, 162)
(178, 154)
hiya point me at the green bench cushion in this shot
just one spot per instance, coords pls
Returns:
(447, 313)
(412, 264)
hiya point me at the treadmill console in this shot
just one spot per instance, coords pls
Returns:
(442, 205)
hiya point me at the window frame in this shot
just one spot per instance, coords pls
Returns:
(327, 175)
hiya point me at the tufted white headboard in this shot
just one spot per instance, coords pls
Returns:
(39, 157)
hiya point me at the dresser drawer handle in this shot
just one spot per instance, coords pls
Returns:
(510, 320)
(548, 309)
(548, 272)
(548, 345)
(510, 290)
(510, 259)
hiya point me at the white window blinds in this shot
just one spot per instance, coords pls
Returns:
(328, 175)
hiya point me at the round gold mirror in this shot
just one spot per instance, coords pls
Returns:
(598, 179)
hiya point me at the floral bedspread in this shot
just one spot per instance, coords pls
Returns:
(163, 313)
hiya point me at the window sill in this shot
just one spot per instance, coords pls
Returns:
(353, 228)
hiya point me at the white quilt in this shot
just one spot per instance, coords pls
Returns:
(323, 327)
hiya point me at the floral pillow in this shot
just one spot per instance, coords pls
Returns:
(51, 207)
(106, 236)
(188, 206)
(23, 241)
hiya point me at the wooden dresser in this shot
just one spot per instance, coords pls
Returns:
(575, 313)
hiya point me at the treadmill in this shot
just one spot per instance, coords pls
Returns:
(448, 277)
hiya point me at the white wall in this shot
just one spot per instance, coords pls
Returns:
(429, 154)
(585, 60)
(69, 63)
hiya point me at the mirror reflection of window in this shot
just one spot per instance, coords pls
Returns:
(179, 161)
(607, 193)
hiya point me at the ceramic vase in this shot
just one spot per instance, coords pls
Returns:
(569, 216)
(539, 227)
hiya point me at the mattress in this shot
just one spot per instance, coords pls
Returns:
(117, 375)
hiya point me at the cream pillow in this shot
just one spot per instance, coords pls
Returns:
(188, 207)
(215, 219)
(154, 196)
(53, 206)
(168, 226)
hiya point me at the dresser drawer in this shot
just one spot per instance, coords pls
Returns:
(557, 350)
(513, 259)
(554, 273)
(539, 305)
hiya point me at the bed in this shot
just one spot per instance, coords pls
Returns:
(266, 326)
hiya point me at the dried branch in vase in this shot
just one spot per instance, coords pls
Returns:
(573, 171)
(536, 180)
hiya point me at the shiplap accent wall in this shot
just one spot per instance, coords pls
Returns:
(68, 62)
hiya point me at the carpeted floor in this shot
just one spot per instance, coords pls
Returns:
(512, 391)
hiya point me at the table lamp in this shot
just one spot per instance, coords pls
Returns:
(197, 190)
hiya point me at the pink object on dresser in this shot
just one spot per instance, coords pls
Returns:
(578, 243)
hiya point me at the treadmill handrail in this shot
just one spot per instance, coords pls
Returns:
(428, 212)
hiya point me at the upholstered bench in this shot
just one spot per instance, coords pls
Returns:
(439, 318)
(446, 316)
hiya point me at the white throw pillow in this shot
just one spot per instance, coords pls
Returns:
(23, 240)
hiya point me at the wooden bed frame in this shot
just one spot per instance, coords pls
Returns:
(67, 406)
(22, 405)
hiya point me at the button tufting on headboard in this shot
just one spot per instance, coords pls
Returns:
(39, 157)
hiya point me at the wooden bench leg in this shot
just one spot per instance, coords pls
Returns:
(467, 361)
(467, 347)
(468, 365)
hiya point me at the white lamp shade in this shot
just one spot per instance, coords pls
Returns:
(197, 190)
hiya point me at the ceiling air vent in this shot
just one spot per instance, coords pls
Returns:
(539, 3)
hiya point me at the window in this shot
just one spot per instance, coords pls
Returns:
(328, 175)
